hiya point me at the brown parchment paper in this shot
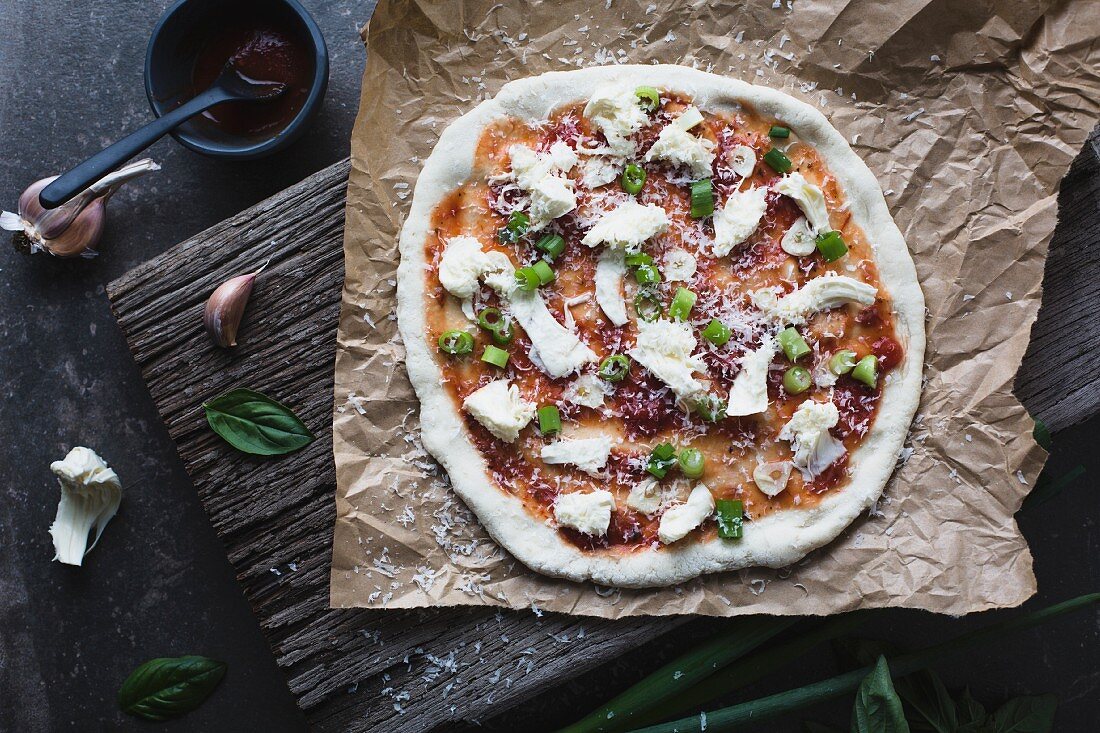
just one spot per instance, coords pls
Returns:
(969, 113)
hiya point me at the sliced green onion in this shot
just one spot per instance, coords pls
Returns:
(709, 407)
(779, 131)
(682, 303)
(549, 420)
(490, 319)
(717, 332)
(633, 179)
(647, 306)
(691, 462)
(614, 368)
(544, 272)
(527, 279)
(794, 346)
(552, 244)
(842, 362)
(831, 246)
(456, 342)
(702, 199)
(796, 380)
(637, 259)
(495, 356)
(649, 97)
(778, 160)
(730, 516)
(661, 459)
(866, 370)
(517, 226)
(647, 275)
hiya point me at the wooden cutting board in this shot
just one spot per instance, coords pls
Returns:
(369, 670)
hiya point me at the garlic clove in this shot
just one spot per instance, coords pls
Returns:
(225, 308)
(771, 478)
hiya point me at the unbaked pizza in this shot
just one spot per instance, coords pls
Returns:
(660, 323)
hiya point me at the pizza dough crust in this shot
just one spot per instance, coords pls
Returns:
(778, 539)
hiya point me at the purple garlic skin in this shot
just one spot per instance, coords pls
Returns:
(225, 308)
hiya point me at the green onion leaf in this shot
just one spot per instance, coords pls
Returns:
(637, 259)
(493, 321)
(527, 279)
(794, 346)
(647, 275)
(614, 368)
(796, 380)
(544, 272)
(496, 357)
(842, 362)
(648, 306)
(633, 179)
(661, 459)
(649, 97)
(456, 342)
(517, 226)
(702, 199)
(717, 332)
(549, 420)
(709, 407)
(866, 370)
(552, 244)
(681, 305)
(692, 462)
(730, 516)
(831, 246)
(778, 131)
(778, 160)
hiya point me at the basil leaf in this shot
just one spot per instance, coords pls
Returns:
(1026, 715)
(168, 687)
(878, 708)
(254, 423)
(971, 713)
(925, 692)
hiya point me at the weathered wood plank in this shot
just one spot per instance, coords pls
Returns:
(276, 517)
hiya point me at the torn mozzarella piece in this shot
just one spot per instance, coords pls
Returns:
(815, 449)
(554, 348)
(680, 265)
(749, 393)
(610, 270)
(679, 520)
(742, 160)
(541, 176)
(589, 513)
(738, 219)
(678, 146)
(500, 409)
(771, 478)
(618, 114)
(820, 294)
(809, 198)
(799, 240)
(464, 262)
(645, 496)
(587, 454)
(587, 390)
(627, 226)
(664, 348)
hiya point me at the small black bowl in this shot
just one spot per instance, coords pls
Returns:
(177, 40)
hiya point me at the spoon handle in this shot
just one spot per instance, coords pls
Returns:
(79, 178)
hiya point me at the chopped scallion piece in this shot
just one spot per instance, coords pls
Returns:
(544, 272)
(831, 246)
(866, 370)
(517, 226)
(796, 380)
(490, 319)
(637, 259)
(778, 160)
(842, 362)
(633, 179)
(503, 335)
(709, 407)
(649, 97)
(661, 459)
(779, 131)
(691, 462)
(552, 244)
(730, 517)
(682, 303)
(717, 332)
(614, 368)
(527, 279)
(647, 306)
(456, 342)
(647, 275)
(794, 346)
(549, 420)
(702, 199)
(495, 356)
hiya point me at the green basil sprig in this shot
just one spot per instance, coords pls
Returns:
(877, 707)
(254, 423)
(168, 687)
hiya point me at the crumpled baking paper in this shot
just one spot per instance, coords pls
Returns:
(969, 114)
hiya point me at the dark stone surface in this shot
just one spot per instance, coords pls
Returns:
(158, 584)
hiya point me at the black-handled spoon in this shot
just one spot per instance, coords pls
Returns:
(230, 86)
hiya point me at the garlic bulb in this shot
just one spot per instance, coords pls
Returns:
(90, 495)
(75, 227)
(225, 308)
